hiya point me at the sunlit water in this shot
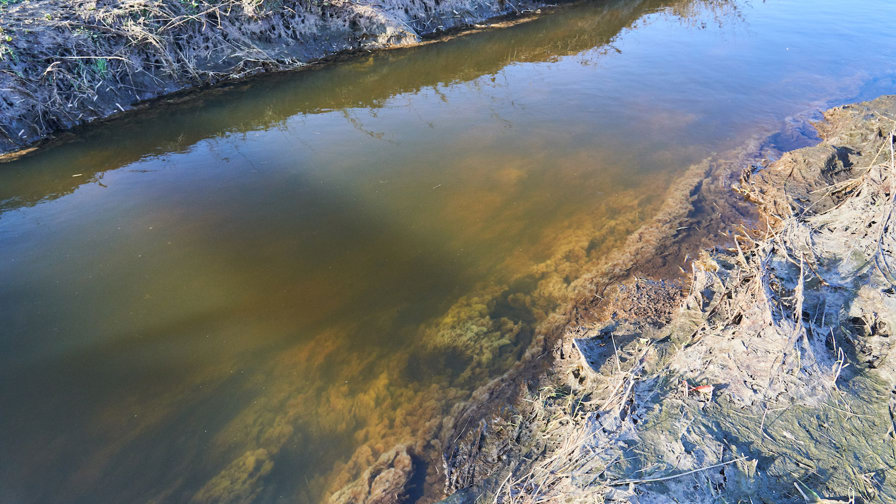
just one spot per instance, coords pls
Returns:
(250, 296)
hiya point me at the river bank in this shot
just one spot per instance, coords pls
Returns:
(769, 380)
(64, 64)
(68, 64)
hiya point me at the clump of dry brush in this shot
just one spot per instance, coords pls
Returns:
(773, 381)
(62, 62)
(65, 63)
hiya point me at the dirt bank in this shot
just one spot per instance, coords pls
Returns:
(769, 380)
(67, 63)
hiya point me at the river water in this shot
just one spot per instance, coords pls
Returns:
(251, 295)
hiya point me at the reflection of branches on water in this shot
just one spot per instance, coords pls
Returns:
(694, 13)
(507, 124)
(498, 101)
(272, 117)
(442, 96)
(292, 134)
(410, 106)
(301, 140)
(358, 125)
(590, 58)
(690, 13)
(248, 160)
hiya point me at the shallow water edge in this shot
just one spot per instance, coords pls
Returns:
(761, 381)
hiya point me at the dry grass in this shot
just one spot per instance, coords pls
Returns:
(66, 63)
(772, 323)
(61, 62)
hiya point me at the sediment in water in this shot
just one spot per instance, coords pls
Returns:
(770, 380)
(481, 435)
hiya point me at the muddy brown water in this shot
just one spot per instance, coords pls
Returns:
(247, 297)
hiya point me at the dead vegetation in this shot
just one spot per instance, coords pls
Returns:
(64, 63)
(68, 63)
(773, 381)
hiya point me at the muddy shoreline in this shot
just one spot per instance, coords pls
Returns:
(65, 65)
(15, 149)
(717, 390)
(484, 436)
